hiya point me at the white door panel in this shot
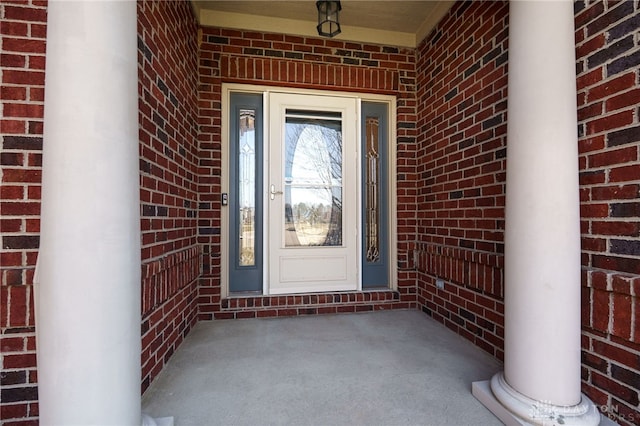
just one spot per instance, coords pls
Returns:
(312, 203)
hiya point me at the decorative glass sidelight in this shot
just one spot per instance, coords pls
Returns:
(372, 175)
(313, 179)
(374, 125)
(246, 187)
(245, 197)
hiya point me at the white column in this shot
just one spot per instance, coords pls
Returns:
(541, 379)
(88, 278)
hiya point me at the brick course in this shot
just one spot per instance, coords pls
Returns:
(21, 94)
(607, 50)
(462, 94)
(171, 258)
(169, 202)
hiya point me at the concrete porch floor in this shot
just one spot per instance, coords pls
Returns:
(377, 368)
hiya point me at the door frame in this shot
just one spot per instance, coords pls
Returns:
(227, 89)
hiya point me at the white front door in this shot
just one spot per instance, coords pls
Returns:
(312, 194)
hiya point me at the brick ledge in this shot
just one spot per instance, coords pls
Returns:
(260, 306)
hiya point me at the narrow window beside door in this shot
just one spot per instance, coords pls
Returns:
(375, 212)
(245, 193)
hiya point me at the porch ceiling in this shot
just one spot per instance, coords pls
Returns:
(399, 23)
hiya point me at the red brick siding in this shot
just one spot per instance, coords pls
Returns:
(451, 119)
(168, 105)
(311, 304)
(168, 119)
(169, 288)
(462, 100)
(461, 122)
(306, 62)
(22, 58)
(608, 69)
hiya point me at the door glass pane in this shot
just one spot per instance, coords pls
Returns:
(313, 179)
(246, 187)
(372, 175)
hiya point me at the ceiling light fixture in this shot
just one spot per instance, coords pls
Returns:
(328, 18)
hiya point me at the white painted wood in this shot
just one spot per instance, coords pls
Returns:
(300, 269)
(88, 273)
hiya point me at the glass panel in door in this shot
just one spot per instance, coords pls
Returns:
(313, 179)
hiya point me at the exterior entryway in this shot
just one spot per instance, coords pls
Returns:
(308, 184)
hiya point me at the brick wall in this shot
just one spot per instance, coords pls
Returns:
(462, 96)
(306, 62)
(451, 158)
(22, 59)
(168, 105)
(462, 101)
(168, 165)
(608, 68)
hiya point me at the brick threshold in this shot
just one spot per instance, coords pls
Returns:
(259, 306)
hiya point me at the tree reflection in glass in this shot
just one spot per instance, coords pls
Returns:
(313, 179)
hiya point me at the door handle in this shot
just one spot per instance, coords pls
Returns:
(273, 192)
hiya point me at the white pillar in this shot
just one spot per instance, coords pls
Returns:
(88, 275)
(541, 379)
(542, 229)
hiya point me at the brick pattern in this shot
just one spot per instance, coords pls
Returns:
(168, 84)
(611, 343)
(608, 59)
(451, 147)
(169, 291)
(310, 304)
(19, 379)
(22, 58)
(462, 100)
(471, 302)
(608, 77)
(168, 105)
(306, 62)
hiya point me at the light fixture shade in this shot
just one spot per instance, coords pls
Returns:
(328, 18)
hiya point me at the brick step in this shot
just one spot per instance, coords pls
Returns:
(259, 306)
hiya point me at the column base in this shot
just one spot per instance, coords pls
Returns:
(147, 420)
(515, 409)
